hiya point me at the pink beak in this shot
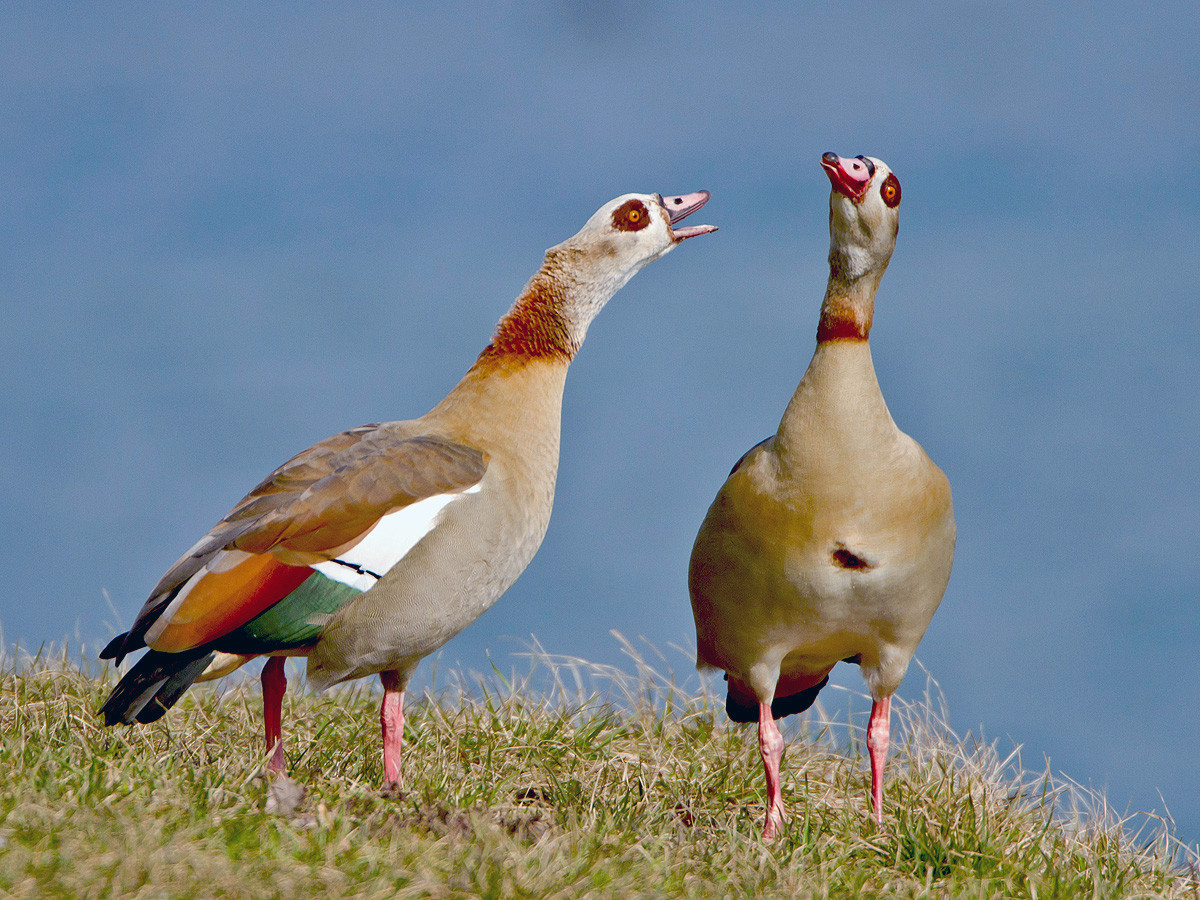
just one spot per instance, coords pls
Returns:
(849, 177)
(679, 208)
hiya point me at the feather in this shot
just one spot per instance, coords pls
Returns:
(152, 686)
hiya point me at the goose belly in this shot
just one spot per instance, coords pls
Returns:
(803, 594)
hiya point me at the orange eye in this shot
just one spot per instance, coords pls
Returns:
(630, 216)
(890, 191)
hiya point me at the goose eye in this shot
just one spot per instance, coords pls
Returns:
(890, 191)
(631, 215)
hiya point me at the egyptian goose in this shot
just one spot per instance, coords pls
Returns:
(371, 549)
(832, 540)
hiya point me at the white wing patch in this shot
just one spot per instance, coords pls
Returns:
(389, 541)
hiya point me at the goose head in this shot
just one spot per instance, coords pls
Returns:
(580, 275)
(864, 215)
(631, 231)
(626, 234)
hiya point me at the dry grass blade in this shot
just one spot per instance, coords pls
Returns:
(571, 780)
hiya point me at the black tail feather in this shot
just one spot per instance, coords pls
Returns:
(153, 685)
(135, 638)
(169, 694)
(780, 706)
(115, 649)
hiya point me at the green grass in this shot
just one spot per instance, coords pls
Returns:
(598, 785)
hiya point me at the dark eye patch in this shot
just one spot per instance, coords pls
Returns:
(631, 215)
(890, 190)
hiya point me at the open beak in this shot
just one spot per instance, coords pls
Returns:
(850, 177)
(679, 208)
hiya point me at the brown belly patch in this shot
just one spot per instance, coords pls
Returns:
(845, 558)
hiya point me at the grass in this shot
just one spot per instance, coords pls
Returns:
(576, 781)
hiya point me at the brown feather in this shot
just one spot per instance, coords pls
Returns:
(322, 500)
(534, 327)
(325, 499)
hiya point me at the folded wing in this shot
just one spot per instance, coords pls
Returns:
(319, 529)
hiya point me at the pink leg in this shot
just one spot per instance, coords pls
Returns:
(770, 745)
(391, 719)
(878, 728)
(274, 683)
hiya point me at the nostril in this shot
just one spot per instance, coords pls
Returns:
(678, 201)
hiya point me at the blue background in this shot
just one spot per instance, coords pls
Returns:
(228, 233)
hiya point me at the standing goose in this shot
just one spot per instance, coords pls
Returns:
(833, 539)
(371, 549)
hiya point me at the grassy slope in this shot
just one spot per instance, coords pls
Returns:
(514, 794)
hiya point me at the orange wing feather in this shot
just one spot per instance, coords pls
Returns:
(222, 601)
